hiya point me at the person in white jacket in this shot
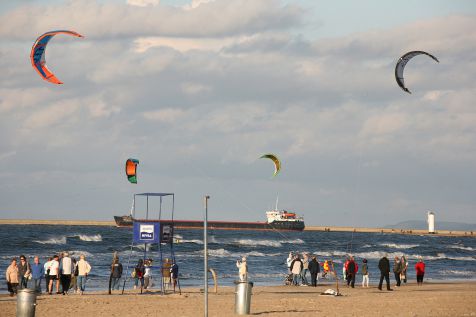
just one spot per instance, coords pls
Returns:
(243, 269)
(66, 269)
(83, 270)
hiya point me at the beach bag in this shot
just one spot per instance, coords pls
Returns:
(133, 273)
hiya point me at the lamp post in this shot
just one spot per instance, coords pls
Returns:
(205, 254)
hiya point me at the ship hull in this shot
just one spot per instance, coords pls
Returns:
(126, 221)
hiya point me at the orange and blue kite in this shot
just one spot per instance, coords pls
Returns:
(37, 55)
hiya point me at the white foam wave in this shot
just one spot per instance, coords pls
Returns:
(54, 240)
(293, 241)
(142, 247)
(196, 241)
(77, 253)
(268, 243)
(456, 272)
(95, 238)
(462, 247)
(399, 246)
(223, 253)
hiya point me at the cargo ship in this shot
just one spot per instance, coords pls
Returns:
(281, 220)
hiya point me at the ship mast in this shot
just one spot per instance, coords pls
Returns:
(277, 198)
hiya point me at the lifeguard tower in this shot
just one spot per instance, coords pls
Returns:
(150, 231)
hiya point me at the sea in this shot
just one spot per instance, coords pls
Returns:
(447, 258)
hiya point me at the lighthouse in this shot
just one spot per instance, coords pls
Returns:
(431, 222)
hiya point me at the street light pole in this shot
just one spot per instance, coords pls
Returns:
(205, 254)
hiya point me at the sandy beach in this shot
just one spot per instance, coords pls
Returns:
(432, 299)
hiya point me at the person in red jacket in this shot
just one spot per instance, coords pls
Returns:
(420, 271)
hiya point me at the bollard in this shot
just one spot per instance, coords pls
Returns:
(243, 297)
(26, 303)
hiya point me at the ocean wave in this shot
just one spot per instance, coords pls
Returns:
(223, 253)
(77, 253)
(54, 240)
(460, 247)
(95, 238)
(196, 241)
(399, 246)
(268, 243)
(457, 272)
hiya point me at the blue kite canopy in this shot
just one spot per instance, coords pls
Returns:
(37, 55)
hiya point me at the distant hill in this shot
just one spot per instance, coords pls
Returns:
(439, 225)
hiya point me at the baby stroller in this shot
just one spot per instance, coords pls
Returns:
(288, 279)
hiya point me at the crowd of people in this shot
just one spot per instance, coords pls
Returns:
(298, 266)
(60, 272)
(65, 274)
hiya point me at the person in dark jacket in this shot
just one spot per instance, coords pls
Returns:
(384, 267)
(24, 271)
(139, 271)
(351, 271)
(314, 269)
(116, 274)
(397, 270)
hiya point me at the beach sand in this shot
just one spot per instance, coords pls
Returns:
(432, 299)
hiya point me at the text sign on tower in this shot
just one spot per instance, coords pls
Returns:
(146, 232)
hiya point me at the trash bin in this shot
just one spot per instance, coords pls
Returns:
(243, 297)
(26, 303)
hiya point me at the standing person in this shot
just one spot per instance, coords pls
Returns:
(242, 269)
(384, 267)
(46, 269)
(314, 270)
(420, 271)
(174, 274)
(54, 275)
(365, 273)
(344, 268)
(289, 260)
(11, 276)
(83, 271)
(24, 271)
(139, 271)
(397, 270)
(166, 273)
(74, 277)
(351, 271)
(404, 264)
(116, 274)
(296, 268)
(37, 273)
(305, 268)
(66, 269)
(147, 273)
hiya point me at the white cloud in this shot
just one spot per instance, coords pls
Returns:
(195, 4)
(143, 3)
(195, 88)
(165, 115)
(97, 20)
(54, 114)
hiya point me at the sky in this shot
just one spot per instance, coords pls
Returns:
(199, 90)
